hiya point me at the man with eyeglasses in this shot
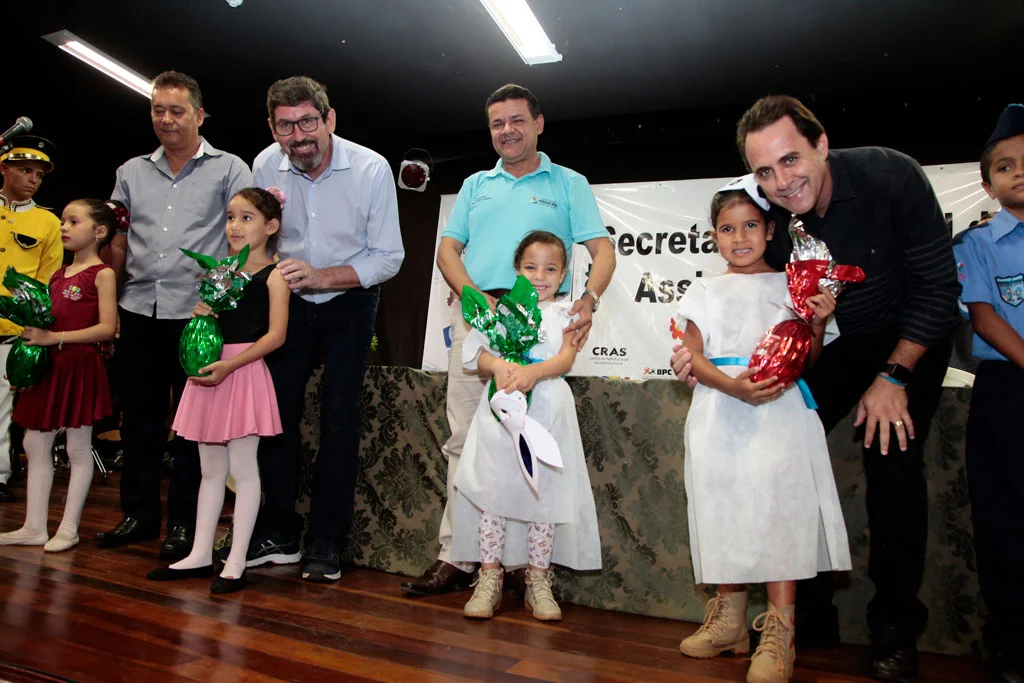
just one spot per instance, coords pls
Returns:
(177, 197)
(30, 243)
(339, 241)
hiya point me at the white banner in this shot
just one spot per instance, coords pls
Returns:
(662, 242)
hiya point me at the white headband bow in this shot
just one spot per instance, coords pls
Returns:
(750, 186)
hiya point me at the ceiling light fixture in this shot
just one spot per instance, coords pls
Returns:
(75, 46)
(520, 26)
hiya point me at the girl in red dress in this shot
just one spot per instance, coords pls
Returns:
(74, 392)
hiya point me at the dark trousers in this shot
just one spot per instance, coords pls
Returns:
(341, 329)
(148, 375)
(897, 493)
(995, 476)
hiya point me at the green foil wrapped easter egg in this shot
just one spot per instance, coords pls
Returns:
(26, 364)
(200, 344)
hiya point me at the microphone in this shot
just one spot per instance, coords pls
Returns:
(20, 127)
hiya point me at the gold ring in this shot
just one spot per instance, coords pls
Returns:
(897, 423)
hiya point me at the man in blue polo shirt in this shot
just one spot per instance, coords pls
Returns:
(495, 209)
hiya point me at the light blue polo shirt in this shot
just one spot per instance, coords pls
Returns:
(990, 264)
(495, 210)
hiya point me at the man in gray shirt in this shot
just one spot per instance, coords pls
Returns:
(177, 197)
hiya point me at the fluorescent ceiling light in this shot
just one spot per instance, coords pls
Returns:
(75, 46)
(522, 29)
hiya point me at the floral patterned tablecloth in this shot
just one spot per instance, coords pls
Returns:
(633, 437)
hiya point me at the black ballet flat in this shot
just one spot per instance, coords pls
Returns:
(168, 574)
(222, 586)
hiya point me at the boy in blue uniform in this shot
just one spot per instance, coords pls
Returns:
(990, 262)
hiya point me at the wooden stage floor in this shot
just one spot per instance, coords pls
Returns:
(91, 615)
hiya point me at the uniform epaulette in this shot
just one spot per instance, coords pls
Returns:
(959, 237)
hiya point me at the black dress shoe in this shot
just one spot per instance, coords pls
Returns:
(6, 496)
(898, 663)
(222, 586)
(999, 675)
(439, 579)
(128, 531)
(1007, 666)
(177, 545)
(168, 574)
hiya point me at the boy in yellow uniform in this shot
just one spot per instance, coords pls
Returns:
(30, 241)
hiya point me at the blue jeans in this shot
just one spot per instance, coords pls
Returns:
(338, 331)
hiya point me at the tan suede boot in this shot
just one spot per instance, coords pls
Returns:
(773, 660)
(724, 628)
(486, 596)
(539, 598)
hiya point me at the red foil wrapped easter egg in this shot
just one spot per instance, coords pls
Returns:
(782, 352)
(804, 277)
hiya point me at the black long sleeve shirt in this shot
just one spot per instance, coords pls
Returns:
(885, 218)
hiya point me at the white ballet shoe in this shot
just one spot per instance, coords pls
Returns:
(61, 542)
(22, 537)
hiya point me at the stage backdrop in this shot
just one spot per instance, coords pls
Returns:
(663, 243)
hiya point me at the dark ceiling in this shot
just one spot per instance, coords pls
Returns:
(426, 65)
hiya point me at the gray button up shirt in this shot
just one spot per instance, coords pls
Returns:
(169, 212)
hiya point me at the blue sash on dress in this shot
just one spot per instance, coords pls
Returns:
(805, 390)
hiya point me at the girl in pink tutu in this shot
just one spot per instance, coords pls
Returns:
(231, 407)
(74, 392)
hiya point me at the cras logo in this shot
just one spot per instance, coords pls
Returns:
(550, 203)
(608, 356)
(657, 372)
(609, 352)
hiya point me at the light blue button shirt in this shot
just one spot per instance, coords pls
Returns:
(168, 212)
(990, 264)
(495, 210)
(348, 216)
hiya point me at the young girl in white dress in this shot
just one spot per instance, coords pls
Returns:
(498, 518)
(762, 501)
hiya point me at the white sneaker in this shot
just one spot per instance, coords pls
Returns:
(486, 596)
(539, 599)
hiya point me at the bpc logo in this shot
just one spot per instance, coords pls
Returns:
(605, 351)
(657, 372)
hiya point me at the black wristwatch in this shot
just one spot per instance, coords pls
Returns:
(900, 373)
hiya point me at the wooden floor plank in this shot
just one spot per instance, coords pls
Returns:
(91, 615)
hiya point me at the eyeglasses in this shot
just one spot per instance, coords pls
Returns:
(308, 124)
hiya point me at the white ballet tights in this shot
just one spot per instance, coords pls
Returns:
(238, 457)
(540, 539)
(39, 451)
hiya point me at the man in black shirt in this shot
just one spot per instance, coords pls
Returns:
(874, 208)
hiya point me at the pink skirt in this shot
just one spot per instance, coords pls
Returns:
(244, 404)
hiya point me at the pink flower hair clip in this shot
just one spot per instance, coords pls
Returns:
(278, 194)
